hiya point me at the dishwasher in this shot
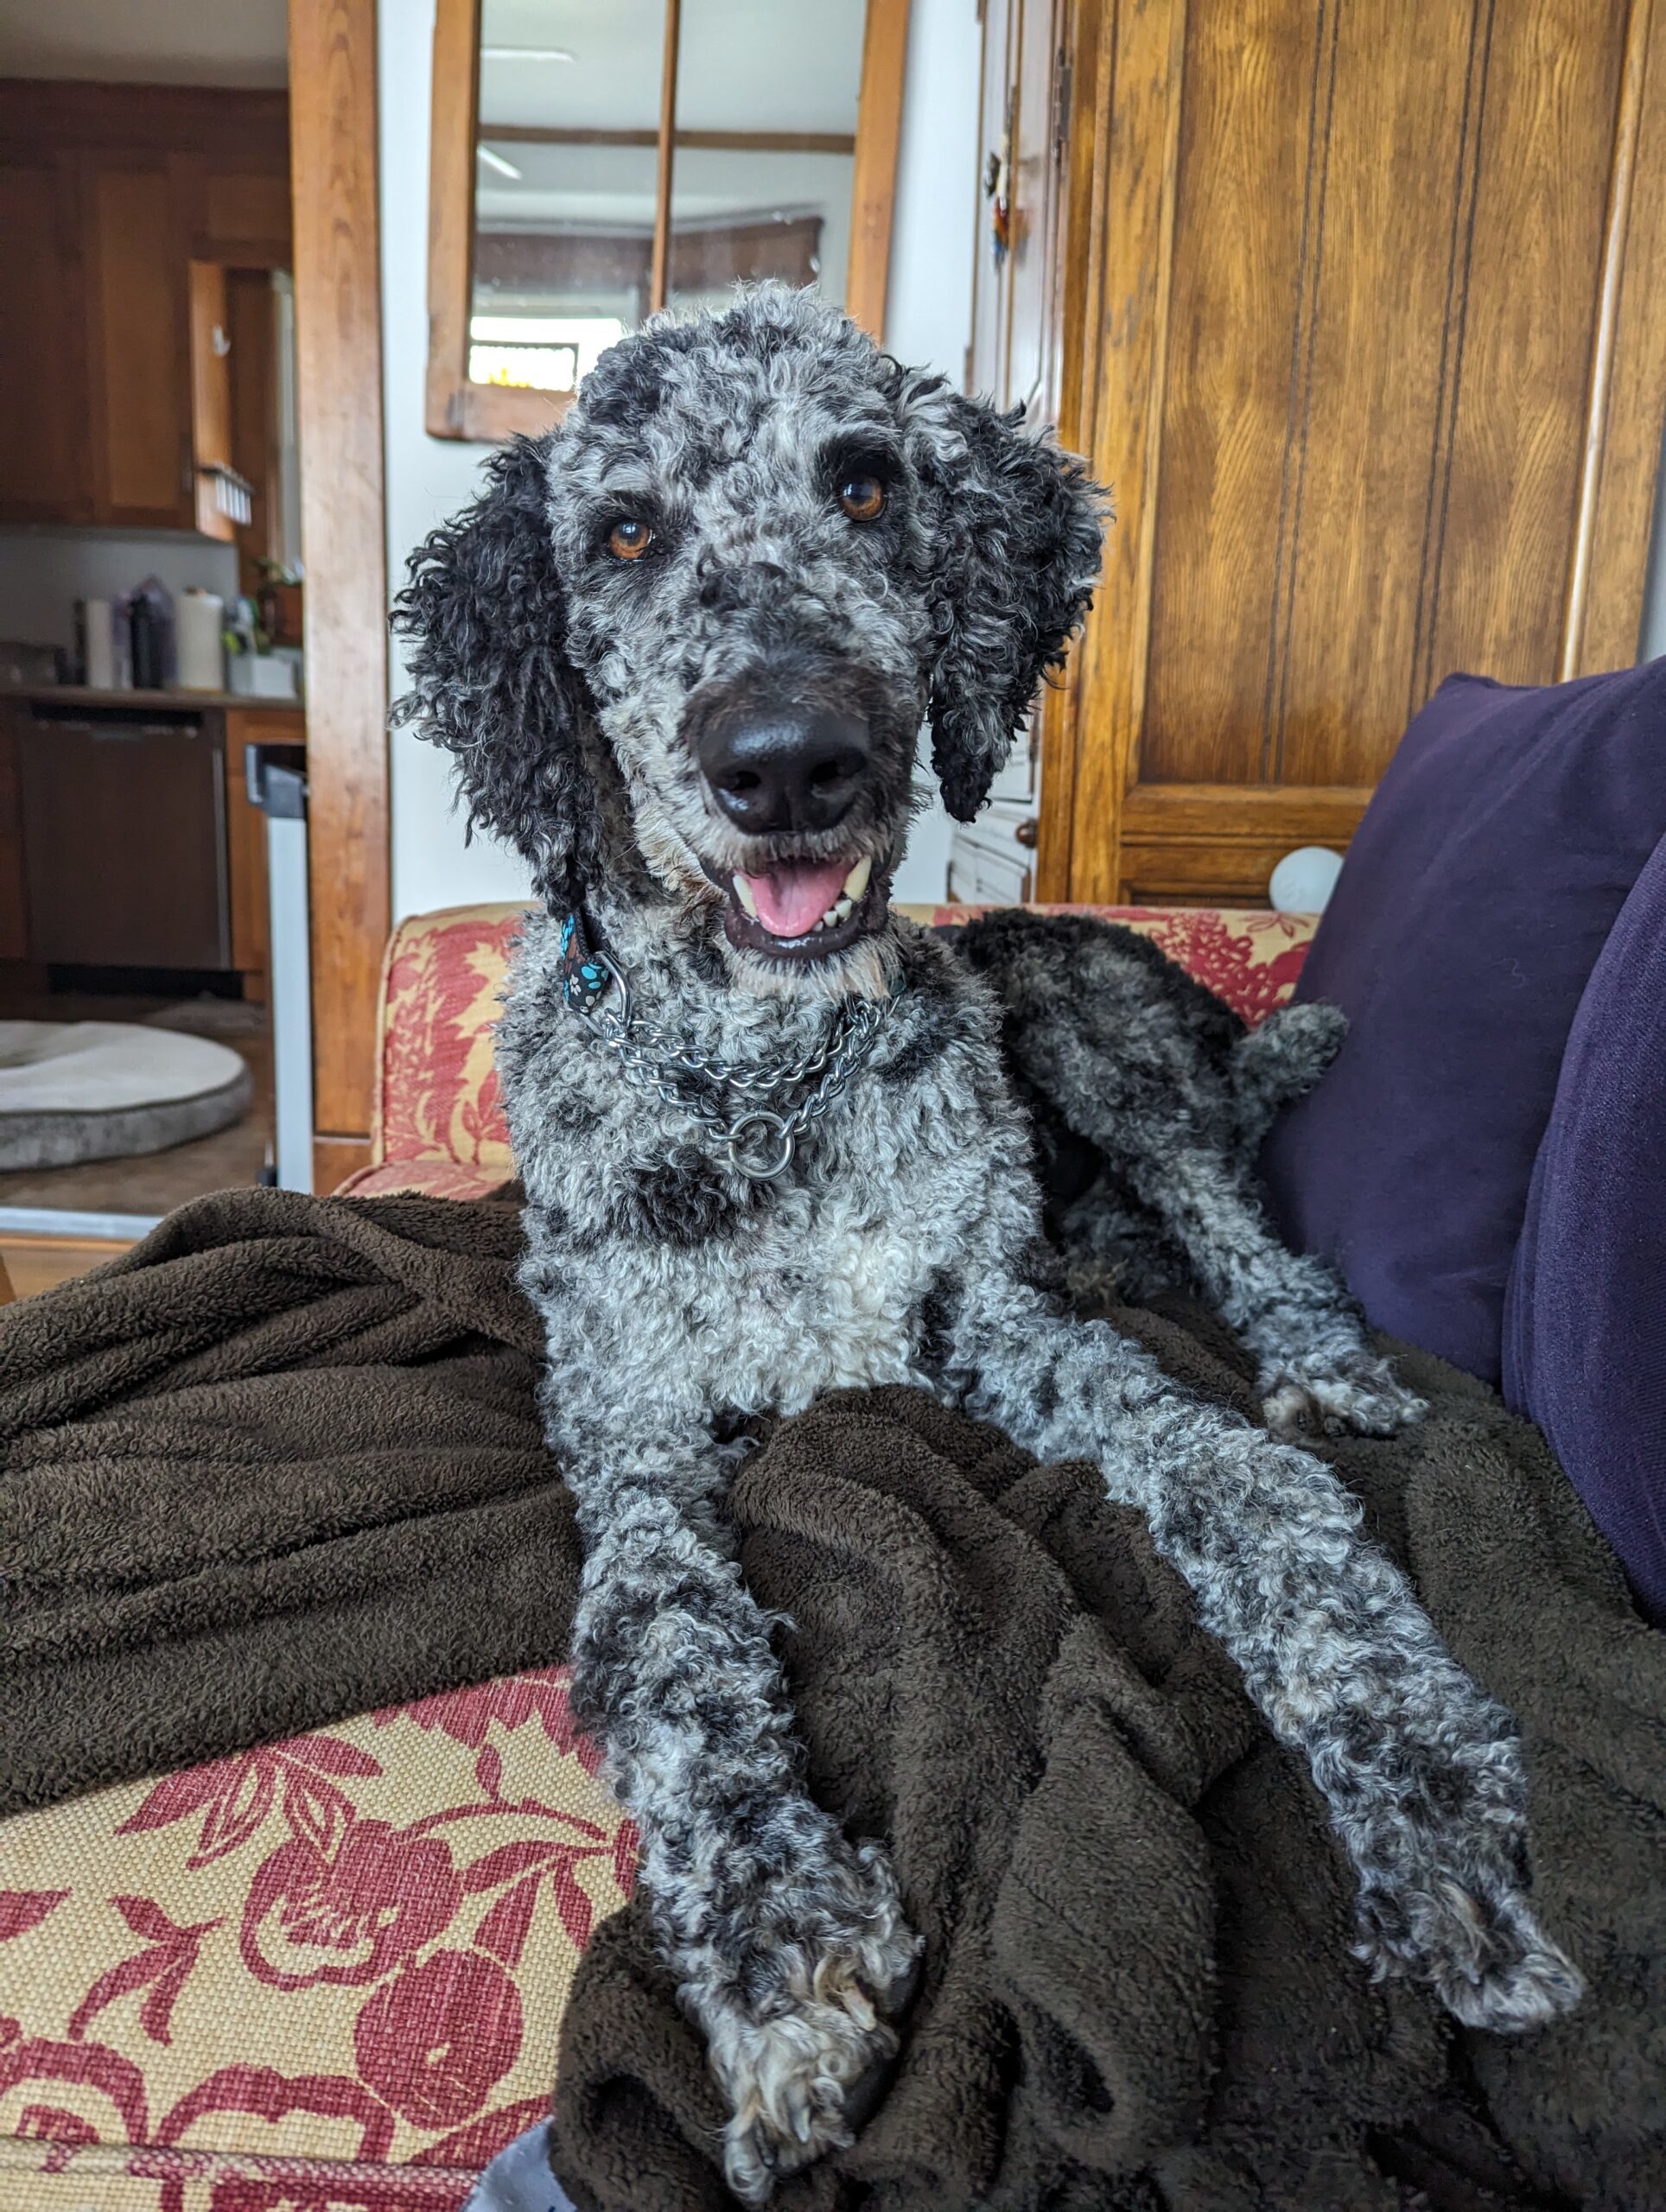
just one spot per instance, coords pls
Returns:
(124, 820)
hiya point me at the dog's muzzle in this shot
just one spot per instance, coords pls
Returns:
(800, 780)
(785, 770)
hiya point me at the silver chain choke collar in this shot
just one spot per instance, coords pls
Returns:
(600, 994)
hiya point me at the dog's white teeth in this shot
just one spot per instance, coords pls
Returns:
(856, 882)
(743, 893)
(840, 909)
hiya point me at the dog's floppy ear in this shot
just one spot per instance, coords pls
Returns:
(485, 615)
(1018, 528)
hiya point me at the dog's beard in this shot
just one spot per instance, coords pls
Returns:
(867, 969)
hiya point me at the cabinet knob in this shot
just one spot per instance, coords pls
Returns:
(1027, 831)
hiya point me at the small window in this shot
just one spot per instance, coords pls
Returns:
(535, 352)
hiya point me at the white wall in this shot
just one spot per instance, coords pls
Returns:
(928, 321)
(43, 572)
(928, 306)
(427, 478)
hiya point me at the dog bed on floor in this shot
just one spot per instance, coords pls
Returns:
(76, 1090)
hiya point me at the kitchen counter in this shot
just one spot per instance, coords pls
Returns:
(81, 695)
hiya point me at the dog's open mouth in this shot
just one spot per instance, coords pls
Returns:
(803, 910)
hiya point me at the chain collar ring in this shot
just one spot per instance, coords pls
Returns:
(590, 978)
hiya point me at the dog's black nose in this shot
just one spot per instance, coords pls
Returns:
(775, 768)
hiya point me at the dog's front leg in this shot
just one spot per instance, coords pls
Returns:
(1421, 1770)
(789, 1946)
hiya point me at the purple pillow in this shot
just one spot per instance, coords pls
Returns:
(1584, 1319)
(1483, 883)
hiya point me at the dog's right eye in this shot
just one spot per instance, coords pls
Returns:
(863, 496)
(629, 539)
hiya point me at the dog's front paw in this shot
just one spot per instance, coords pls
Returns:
(799, 2081)
(804, 2054)
(1362, 1397)
(1462, 1924)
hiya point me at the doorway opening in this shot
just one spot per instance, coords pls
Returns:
(151, 590)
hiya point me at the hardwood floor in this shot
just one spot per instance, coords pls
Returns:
(155, 1182)
(33, 1264)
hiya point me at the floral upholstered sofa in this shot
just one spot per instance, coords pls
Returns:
(329, 1973)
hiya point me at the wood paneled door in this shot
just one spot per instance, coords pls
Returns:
(1365, 323)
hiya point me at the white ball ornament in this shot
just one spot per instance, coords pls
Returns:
(1303, 880)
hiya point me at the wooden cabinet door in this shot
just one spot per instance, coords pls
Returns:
(13, 912)
(138, 332)
(123, 839)
(43, 472)
(1373, 327)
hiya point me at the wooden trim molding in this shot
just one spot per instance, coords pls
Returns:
(455, 407)
(336, 1158)
(1142, 73)
(1088, 49)
(874, 188)
(451, 213)
(339, 393)
(30, 1264)
(659, 283)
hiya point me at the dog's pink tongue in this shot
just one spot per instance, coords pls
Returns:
(792, 899)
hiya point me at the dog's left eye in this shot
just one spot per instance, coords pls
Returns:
(629, 538)
(862, 497)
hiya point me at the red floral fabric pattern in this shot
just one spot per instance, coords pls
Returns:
(325, 1971)
(425, 1178)
(438, 1094)
(440, 1128)
(1248, 957)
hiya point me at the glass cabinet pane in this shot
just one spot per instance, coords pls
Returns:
(564, 184)
(766, 97)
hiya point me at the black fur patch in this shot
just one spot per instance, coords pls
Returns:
(930, 1003)
(933, 1323)
(684, 1201)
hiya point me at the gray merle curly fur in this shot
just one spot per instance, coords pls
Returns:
(756, 540)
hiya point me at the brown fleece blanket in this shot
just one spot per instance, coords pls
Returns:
(281, 1463)
(276, 1465)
